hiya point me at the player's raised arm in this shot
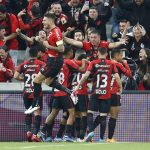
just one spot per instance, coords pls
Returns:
(117, 44)
(73, 42)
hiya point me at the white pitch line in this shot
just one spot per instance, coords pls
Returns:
(28, 147)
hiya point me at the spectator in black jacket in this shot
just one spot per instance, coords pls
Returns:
(140, 12)
(138, 41)
(98, 21)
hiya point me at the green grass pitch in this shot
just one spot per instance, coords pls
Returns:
(73, 146)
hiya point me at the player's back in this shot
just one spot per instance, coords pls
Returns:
(101, 70)
(30, 69)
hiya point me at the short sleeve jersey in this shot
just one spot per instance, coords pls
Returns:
(55, 39)
(30, 69)
(101, 70)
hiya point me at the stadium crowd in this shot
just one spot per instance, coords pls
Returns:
(69, 48)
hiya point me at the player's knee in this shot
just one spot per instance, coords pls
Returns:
(39, 78)
(71, 112)
(37, 112)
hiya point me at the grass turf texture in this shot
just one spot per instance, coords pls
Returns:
(73, 146)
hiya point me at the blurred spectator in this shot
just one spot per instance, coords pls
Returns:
(97, 20)
(130, 83)
(35, 22)
(31, 3)
(6, 65)
(137, 41)
(118, 14)
(3, 2)
(2, 35)
(139, 12)
(34, 40)
(45, 4)
(70, 9)
(103, 10)
(124, 29)
(143, 72)
(9, 21)
(62, 19)
(15, 6)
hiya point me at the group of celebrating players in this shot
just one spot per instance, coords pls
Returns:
(70, 78)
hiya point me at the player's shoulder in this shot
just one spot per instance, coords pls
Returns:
(39, 62)
(69, 61)
(57, 30)
(24, 63)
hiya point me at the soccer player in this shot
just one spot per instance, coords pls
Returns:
(101, 70)
(123, 69)
(91, 47)
(61, 100)
(55, 47)
(30, 69)
(82, 94)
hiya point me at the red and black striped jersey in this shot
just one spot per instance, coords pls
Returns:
(123, 68)
(76, 79)
(54, 39)
(30, 69)
(101, 71)
(64, 77)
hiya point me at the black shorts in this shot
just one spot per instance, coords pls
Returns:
(95, 104)
(28, 102)
(62, 102)
(82, 104)
(115, 100)
(52, 67)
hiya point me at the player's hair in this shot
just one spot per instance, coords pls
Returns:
(115, 51)
(95, 32)
(50, 15)
(33, 52)
(91, 29)
(102, 50)
(82, 56)
(78, 31)
(2, 8)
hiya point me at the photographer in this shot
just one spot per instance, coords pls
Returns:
(6, 65)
